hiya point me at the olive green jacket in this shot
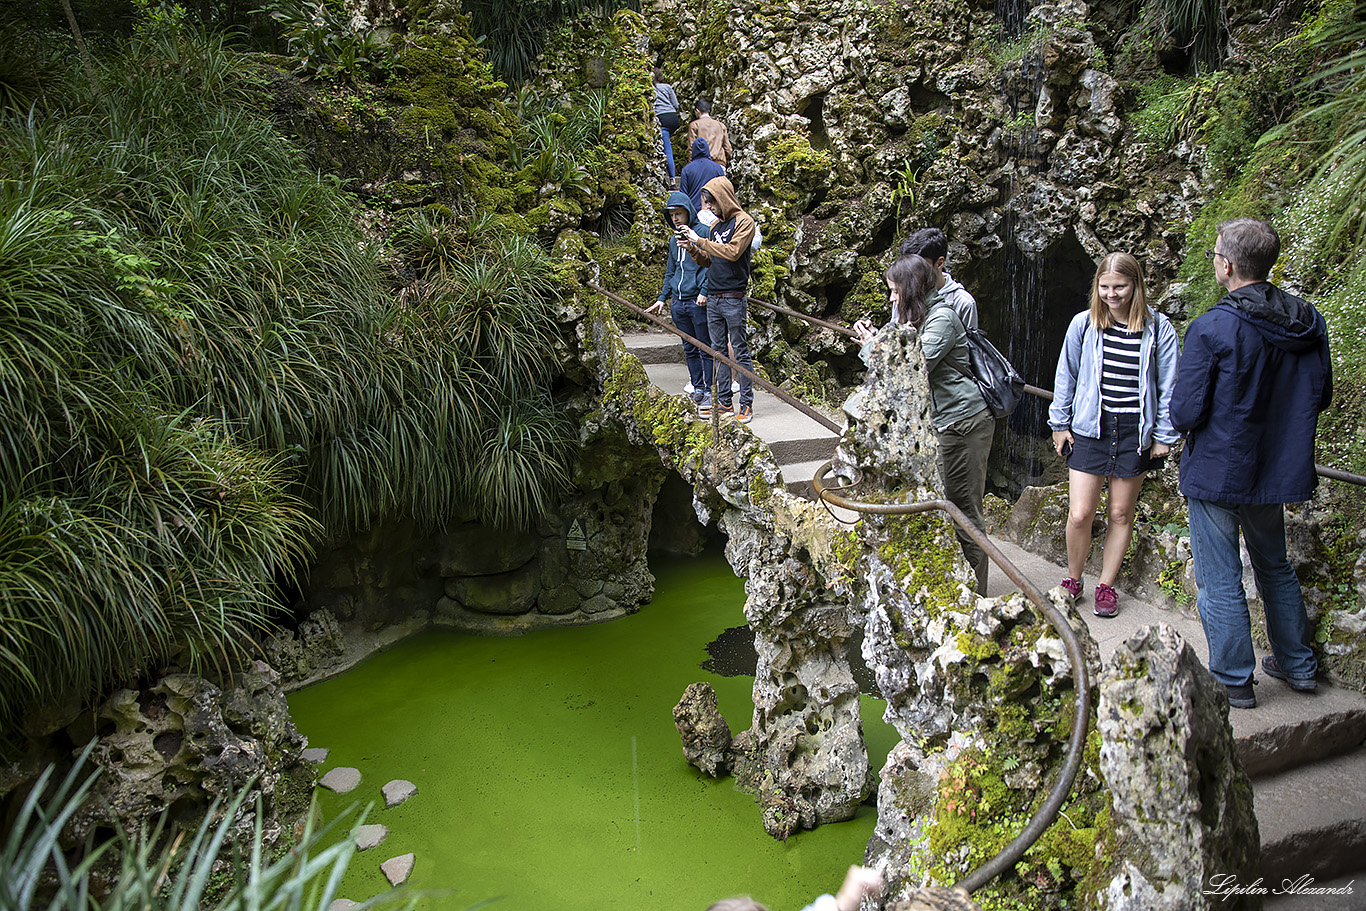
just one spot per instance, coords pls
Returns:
(953, 392)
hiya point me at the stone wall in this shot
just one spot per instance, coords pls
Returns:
(585, 563)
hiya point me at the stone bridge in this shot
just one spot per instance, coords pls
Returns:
(978, 688)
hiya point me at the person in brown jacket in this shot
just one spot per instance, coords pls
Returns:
(710, 129)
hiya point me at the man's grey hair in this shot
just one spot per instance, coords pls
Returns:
(742, 903)
(1251, 245)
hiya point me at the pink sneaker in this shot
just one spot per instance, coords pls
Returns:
(1107, 602)
(1072, 587)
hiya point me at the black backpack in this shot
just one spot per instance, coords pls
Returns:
(1001, 386)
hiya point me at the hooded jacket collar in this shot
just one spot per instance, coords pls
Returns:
(1286, 321)
(680, 200)
(721, 190)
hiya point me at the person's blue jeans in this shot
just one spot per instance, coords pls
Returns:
(668, 150)
(726, 324)
(1222, 601)
(690, 318)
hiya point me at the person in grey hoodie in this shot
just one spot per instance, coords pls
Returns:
(685, 281)
(666, 113)
(697, 172)
(934, 246)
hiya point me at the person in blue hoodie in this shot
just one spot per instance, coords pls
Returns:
(1254, 376)
(685, 281)
(697, 172)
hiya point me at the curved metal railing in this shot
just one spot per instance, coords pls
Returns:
(1048, 812)
(1081, 677)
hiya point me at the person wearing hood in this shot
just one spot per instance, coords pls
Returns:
(727, 253)
(1253, 378)
(934, 246)
(699, 170)
(685, 281)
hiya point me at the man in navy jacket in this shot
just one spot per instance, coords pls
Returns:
(1253, 377)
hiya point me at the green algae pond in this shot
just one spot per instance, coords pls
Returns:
(549, 772)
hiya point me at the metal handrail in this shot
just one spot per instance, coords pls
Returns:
(1323, 471)
(759, 381)
(1048, 812)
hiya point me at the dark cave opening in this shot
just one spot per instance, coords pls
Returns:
(813, 109)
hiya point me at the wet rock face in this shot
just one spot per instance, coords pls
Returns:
(182, 741)
(584, 563)
(856, 123)
(1182, 805)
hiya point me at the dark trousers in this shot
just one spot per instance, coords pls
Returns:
(692, 319)
(963, 451)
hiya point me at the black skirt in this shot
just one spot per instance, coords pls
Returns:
(668, 120)
(1115, 454)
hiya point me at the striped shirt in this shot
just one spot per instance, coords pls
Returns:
(1119, 370)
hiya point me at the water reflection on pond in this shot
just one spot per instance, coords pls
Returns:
(549, 771)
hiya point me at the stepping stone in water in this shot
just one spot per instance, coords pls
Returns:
(342, 780)
(342, 904)
(398, 869)
(397, 791)
(316, 755)
(372, 836)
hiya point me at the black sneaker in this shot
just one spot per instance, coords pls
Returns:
(1241, 697)
(1298, 684)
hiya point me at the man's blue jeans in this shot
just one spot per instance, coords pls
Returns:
(690, 318)
(726, 323)
(1222, 601)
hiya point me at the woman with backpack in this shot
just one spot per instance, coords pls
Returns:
(962, 421)
(1109, 415)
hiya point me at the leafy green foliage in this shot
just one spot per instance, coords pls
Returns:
(201, 374)
(1198, 25)
(163, 870)
(513, 32)
(328, 46)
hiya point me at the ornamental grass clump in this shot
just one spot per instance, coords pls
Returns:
(203, 373)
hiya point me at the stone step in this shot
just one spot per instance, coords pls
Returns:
(655, 347)
(1289, 729)
(1313, 821)
(790, 435)
(797, 477)
(1348, 893)
(1285, 730)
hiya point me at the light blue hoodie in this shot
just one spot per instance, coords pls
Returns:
(684, 279)
(1076, 386)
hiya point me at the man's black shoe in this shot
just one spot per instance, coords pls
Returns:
(1298, 684)
(1241, 697)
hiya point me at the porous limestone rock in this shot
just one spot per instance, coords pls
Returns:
(181, 741)
(1182, 805)
(703, 730)
(315, 648)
